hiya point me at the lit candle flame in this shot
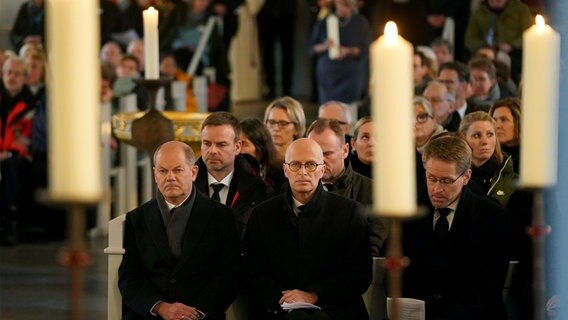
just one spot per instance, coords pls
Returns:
(391, 30)
(539, 20)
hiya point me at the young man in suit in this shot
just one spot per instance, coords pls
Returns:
(308, 246)
(224, 174)
(182, 254)
(459, 252)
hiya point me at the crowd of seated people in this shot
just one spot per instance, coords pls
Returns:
(475, 100)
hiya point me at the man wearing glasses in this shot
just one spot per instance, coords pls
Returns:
(308, 246)
(442, 104)
(459, 250)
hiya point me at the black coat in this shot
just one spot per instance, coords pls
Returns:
(245, 192)
(206, 274)
(469, 283)
(326, 251)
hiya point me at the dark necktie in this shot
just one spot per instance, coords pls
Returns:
(328, 187)
(301, 208)
(172, 210)
(216, 189)
(442, 227)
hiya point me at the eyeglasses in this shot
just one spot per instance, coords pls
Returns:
(422, 117)
(281, 124)
(310, 166)
(443, 181)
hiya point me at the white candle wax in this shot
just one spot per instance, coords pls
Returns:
(394, 188)
(73, 108)
(151, 44)
(332, 24)
(539, 124)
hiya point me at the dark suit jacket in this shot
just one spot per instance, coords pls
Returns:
(206, 274)
(467, 281)
(246, 190)
(325, 250)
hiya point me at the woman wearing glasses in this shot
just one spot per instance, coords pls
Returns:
(492, 170)
(425, 128)
(285, 120)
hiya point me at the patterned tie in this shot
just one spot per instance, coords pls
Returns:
(216, 189)
(442, 227)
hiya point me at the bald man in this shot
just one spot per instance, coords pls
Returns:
(308, 246)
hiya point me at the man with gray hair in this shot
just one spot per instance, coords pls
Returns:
(442, 104)
(459, 250)
(338, 111)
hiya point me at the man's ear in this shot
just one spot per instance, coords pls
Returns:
(194, 171)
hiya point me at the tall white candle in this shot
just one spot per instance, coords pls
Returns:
(151, 44)
(74, 101)
(332, 24)
(539, 124)
(394, 178)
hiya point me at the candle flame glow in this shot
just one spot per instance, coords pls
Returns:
(539, 20)
(151, 9)
(391, 30)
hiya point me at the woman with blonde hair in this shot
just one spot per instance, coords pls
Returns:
(362, 147)
(492, 170)
(285, 120)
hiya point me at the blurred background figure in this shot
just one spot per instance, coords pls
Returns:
(443, 49)
(29, 26)
(111, 53)
(344, 78)
(16, 116)
(500, 24)
(483, 78)
(362, 145)
(507, 115)
(169, 67)
(276, 21)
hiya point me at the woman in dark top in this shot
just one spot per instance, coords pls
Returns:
(256, 141)
(507, 115)
(362, 145)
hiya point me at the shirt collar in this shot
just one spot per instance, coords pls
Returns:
(225, 181)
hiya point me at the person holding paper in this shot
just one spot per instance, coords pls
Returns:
(307, 250)
(459, 250)
(342, 76)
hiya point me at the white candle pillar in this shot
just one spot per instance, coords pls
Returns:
(74, 101)
(394, 177)
(151, 44)
(539, 124)
(332, 24)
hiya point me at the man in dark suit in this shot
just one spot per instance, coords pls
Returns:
(224, 175)
(341, 179)
(308, 246)
(458, 251)
(181, 249)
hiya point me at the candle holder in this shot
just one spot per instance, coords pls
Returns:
(538, 232)
(395, 261)
(153, 128)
